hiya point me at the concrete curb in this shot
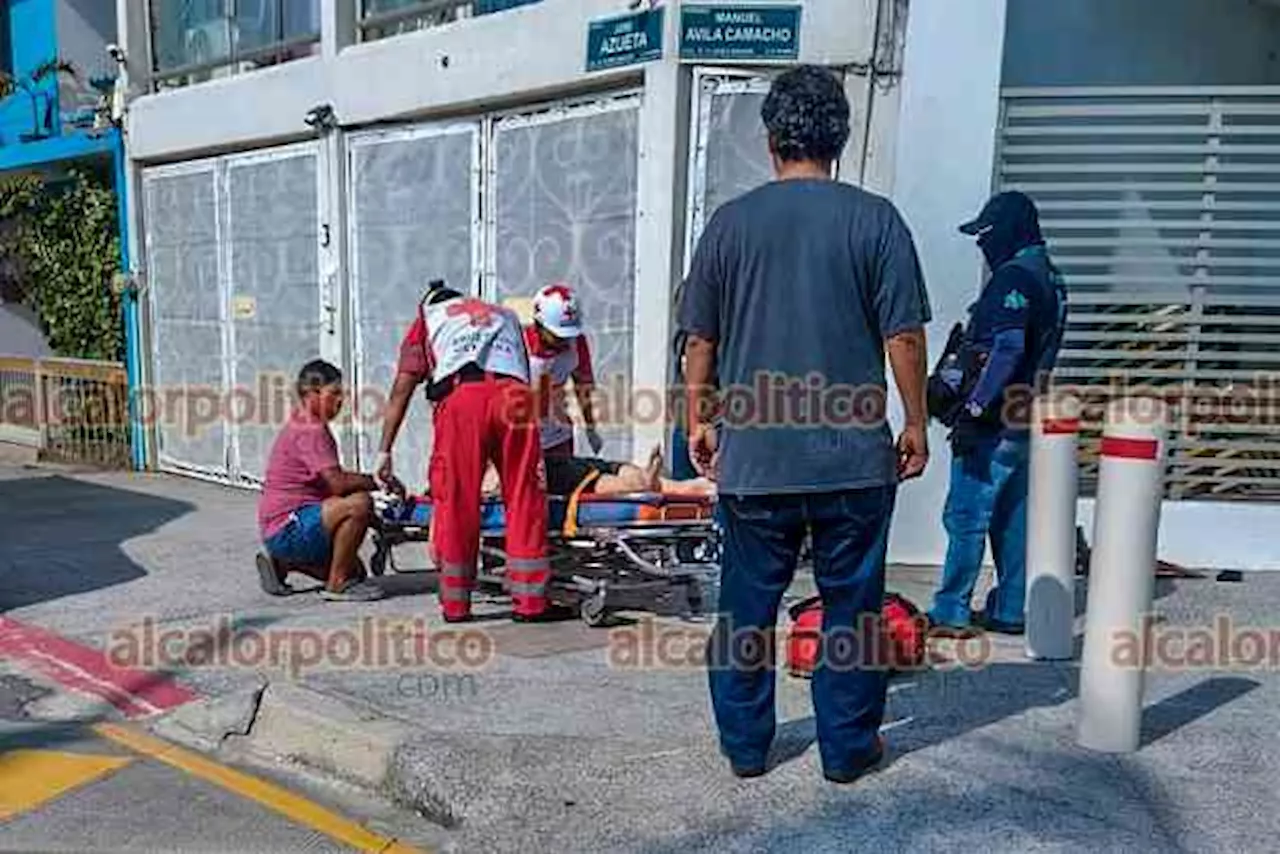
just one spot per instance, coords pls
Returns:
(286, 723)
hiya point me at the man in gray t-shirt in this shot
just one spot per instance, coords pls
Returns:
(796, 292)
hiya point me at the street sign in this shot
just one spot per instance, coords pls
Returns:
(739, 33)
(624, 40)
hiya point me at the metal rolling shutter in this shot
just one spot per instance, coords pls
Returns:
(1162, 207)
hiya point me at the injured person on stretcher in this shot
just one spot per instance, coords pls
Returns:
(567, 475)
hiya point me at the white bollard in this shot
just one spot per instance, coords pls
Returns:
(1122, 575)
(1051, 528)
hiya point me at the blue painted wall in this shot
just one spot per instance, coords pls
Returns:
(32, 39)
(36, 137)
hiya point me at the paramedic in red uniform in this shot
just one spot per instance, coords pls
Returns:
(558, 355)
(471, 356)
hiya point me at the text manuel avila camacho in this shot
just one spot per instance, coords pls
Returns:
(738, 26)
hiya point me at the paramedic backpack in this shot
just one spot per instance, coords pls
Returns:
(901, 647)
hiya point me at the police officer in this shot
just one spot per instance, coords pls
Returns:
(472, 357)
(1009, 345)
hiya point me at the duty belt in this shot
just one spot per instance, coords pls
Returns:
(469, 373)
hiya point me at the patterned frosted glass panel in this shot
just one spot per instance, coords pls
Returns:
(737, 148)
(566, 211)
(413, 207)
(182, 256)
(275, 291)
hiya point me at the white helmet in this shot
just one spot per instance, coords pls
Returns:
(555, 308)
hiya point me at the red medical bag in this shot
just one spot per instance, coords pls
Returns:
(903, 629)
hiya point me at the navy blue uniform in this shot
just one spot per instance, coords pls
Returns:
(1011, 341)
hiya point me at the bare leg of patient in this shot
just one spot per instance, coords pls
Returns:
(632, 478)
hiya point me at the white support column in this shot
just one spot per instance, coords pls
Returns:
(1122, 575)
(1051, 528)
(664, 132)
(942, 176)
(132, 35)
(337, 26)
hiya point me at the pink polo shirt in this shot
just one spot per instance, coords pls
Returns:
(304, 449)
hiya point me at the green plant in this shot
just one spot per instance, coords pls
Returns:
(60, 250)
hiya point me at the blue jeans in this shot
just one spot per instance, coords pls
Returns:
(762, 538)
(988, 497)
(303, 539)
(681, 466)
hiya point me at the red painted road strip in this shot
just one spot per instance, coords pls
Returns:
(1129, 449)
(1060, 426)
(81, 668)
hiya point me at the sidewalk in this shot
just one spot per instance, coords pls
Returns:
(551, 745)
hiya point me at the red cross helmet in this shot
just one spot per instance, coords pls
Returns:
(555, 308)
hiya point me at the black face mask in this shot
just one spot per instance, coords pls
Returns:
(1005, 239)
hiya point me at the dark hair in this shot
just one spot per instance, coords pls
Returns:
(317, 374)
(807, 115)
(438, 291)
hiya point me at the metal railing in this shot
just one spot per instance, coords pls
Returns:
(382, 18)
(196, 40)
(1161, 206)
(68, 410)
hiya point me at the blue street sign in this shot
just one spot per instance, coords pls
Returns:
(741, 32)
(625, 40)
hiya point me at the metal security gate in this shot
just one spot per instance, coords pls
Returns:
(499, 205)
(1162, 207)
(561, 207)
(233, 257)
(413, 216)
(728, 148)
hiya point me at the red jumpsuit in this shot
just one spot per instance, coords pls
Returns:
(473, 353)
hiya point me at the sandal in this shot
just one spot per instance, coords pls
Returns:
(354, 590)
(269, 577)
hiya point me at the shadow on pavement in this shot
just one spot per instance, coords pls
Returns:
(1173, 713)
(63, 536)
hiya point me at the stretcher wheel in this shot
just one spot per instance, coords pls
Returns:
(592, 610)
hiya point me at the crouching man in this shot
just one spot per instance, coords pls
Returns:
(313, 515)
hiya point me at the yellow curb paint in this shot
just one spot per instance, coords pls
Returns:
(273, 797)
(30, 778)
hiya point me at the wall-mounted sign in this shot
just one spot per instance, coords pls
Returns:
(625, 40)
(741, 32)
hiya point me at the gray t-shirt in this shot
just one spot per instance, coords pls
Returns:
(800, 282)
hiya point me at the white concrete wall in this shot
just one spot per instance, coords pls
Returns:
(522, 54)
(1142, 43)
(943, 174)
(956, 62)
(520, 57)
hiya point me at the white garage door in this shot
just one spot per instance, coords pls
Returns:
(1162, 206)
(564, 210)
(233, 261)
(413, 217)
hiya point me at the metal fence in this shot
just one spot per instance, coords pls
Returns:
(68, 410)
(382, 18)
(1162, 208)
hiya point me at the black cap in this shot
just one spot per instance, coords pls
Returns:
(1010, 206)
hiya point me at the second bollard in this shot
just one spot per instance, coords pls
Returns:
(1051, 523)
(1122, 575)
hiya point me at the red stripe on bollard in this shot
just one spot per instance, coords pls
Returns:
(1060, 426)
(1130, 449)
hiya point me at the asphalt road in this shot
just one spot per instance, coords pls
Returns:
(106, 787)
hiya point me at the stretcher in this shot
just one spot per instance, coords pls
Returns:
(609, 553)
